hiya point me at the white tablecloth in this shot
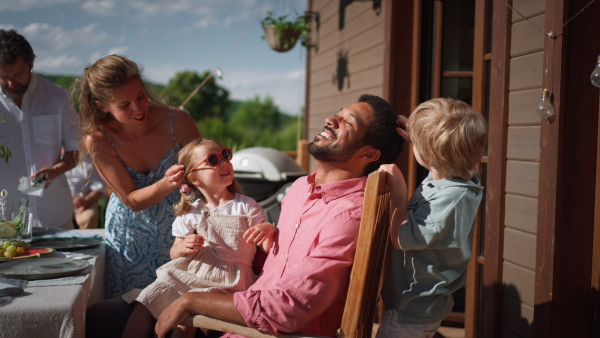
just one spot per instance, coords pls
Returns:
(57, 310)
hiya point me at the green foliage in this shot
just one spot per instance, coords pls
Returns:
(64, 81)
(5, 153)
(256, 123)
(233, 107)
(210, 101)
(154, 87)
(256, 115)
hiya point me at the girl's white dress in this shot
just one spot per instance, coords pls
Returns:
(223, 264)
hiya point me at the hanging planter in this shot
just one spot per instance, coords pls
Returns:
(281, 39)
(282, 34)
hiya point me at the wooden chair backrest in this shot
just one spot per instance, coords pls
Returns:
(365, 278)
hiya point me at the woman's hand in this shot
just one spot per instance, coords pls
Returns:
(259, 233)
(175, 174)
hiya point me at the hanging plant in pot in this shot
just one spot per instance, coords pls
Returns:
(282, 33)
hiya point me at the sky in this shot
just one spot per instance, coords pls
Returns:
(166, 37)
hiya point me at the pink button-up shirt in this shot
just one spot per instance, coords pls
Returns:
(304, 281)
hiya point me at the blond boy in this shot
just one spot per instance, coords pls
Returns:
(433, 232)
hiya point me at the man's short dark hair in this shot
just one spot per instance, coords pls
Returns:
(13, 45)
(381, 132)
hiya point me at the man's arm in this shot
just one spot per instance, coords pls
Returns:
(68, 162)
(215, 305)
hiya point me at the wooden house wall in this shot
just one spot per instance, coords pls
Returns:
(522, 169)
(349, 62)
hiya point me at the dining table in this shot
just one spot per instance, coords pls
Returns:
(56, 307)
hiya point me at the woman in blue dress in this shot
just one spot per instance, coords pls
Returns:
(134, 142)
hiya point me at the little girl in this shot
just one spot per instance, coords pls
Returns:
(217, 230)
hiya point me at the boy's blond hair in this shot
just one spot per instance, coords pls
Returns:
(449, 136)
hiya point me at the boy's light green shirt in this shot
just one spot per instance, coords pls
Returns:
(436, 248)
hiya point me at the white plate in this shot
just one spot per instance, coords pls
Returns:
(42, 268)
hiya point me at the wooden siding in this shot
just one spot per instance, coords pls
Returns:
(361, 42)
(529, 8)
(567, 176)
(526, 72)
(521, 213)
(519, 248)
(523, 143)
(521, 107)
(522, 178)
(527, 39)
(518, 283)
(522, 169)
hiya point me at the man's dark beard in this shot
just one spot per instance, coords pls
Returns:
(334, 153)
(15, 94)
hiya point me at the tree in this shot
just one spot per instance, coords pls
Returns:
(259, 123)
(256, 115)
(210, 101)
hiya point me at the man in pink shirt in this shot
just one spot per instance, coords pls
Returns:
(303, 284)
(304, 280)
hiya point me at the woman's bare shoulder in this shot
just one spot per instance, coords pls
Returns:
(98, 143)
(185, 126)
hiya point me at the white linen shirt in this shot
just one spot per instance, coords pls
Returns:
(35, 135)
(84, 178)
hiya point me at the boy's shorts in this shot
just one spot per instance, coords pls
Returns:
(391, 328)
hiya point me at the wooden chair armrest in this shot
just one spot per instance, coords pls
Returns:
(205, 322)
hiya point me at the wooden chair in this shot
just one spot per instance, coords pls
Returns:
(365, 278)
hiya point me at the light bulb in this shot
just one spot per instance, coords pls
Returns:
(219, 73)
(595, 76)
(545, 109)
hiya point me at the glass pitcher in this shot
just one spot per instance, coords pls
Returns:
(14, 219)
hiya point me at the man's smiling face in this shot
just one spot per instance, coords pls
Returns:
(342, 135)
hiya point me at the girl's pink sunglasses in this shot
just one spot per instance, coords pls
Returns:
(213, 159)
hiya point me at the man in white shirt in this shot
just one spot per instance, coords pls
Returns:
(87, 187)
(39, 120)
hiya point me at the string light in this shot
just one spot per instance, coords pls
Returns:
(218, 69)
(545, 109)
(595, 76)
(220, 74)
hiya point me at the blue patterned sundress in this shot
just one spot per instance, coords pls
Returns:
(138, 242)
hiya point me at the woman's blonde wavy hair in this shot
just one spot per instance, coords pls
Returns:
(449, 136)
(188, 160)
